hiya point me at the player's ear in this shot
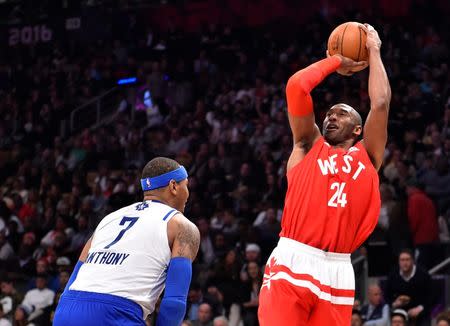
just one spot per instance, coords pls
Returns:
(357, 130)
(173, 187)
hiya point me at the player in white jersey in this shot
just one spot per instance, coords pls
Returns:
(134, 253)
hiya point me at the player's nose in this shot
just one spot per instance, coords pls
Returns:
(332, 117)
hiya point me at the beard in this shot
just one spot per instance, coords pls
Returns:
(339, 136)
(334, 137)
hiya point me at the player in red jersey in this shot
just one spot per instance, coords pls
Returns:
(332, 202)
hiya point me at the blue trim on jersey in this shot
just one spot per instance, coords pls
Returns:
(167, 215)
(164, 179)
(73, 277)
(173, 304)
(92, 309)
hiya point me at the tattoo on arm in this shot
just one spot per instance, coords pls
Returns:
(188, 241)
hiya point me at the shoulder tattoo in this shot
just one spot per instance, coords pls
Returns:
(188, 240)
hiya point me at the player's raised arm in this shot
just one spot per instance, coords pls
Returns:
(375, 129)
(299, 101)
(186, 241)
(300, 104)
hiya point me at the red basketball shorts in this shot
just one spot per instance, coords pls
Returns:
(303, 285)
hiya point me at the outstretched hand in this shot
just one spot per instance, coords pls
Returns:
(348, 66)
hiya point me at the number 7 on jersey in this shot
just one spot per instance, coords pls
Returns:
(125, 219)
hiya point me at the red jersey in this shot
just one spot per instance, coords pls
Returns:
(333, 198)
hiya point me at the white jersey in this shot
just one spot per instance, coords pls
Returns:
(129, 254)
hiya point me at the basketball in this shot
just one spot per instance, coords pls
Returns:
(349, 40)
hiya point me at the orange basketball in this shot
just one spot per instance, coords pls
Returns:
(350, 41)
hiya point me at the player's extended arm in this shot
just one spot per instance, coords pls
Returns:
(375, 129)
(184, 250)
(299, 100)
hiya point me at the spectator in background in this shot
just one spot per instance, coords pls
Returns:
(61, 229)
(195, 299)
(63, 269)
(103, 175)
(81, 236)
(204, 317)
(218, 321)
(220, 246)
(29, 208)
(423, 223)
(225, 274)
(376, 312)
(25, 263)
(393, 220)
(21, 316)
(387, 205)
(230, 227)
(269, 228)
(206, 253)
(47, 219)
(41, 269)
(252, 254)
(177, 144)
(399, 317)
(409, 287)
(63, 279)
(250, 294)
(3, 320)
(37, 300)
(263, 216)
(214, 297)
(10, 298)
(356, 318)
(6, 250)
(357, 305)
(97, 199)
(437, 183)
(443, 319)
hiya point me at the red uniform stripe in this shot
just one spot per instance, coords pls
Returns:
(306, 277)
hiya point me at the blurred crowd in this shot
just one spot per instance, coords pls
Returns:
(217, 107)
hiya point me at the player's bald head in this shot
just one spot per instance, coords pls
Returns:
(356, 117)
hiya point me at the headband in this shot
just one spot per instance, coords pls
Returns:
(164, 179)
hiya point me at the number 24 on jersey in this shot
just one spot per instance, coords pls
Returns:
(339, 197)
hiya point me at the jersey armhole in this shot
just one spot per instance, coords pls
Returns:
(362, 148)
(170, 214)
(319, 142)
